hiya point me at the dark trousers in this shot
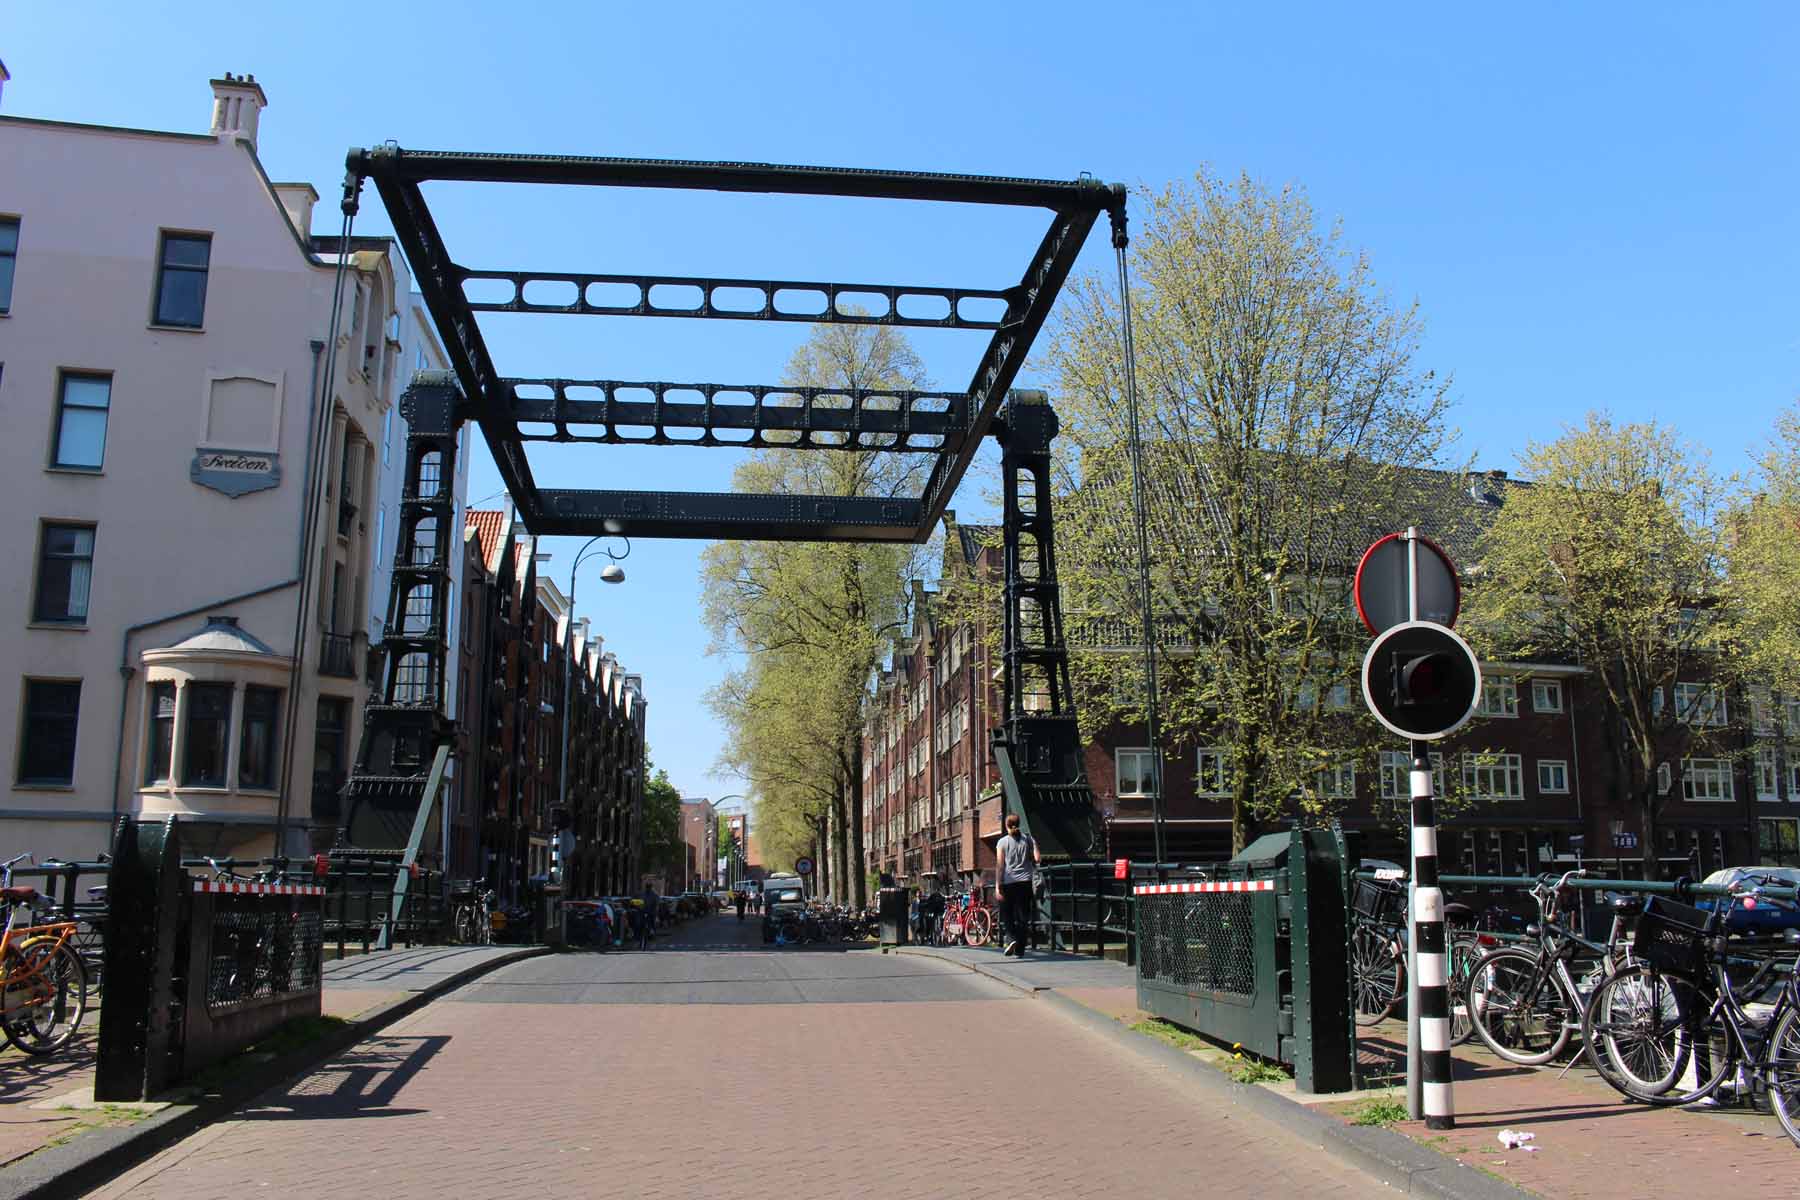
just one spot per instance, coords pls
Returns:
(1015, 911)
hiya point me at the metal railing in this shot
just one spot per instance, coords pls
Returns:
(337, 655)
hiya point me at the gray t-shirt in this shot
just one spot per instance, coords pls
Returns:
(1014, 851)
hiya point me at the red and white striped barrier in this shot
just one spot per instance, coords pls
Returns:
(257, 889)
(1229, 885)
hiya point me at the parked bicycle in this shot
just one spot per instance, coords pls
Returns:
(471, 909)
(1527, 1001)
(967, 919)
(43, 984)
(1676, 1026)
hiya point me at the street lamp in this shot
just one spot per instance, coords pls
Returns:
(611, 573)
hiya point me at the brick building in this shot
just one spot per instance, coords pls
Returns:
(1534, 782)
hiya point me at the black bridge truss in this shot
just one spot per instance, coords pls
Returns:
(514, 411)
(1038, 751)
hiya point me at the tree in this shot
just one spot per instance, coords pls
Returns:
(662, 825)
(1282, 413)
(1764, 569)
(1612, 558)
(808, 618)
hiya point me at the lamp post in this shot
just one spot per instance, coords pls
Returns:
(611, 573)
(730, 882)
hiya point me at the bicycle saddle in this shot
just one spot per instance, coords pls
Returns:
(1624, 903)
(21, 894)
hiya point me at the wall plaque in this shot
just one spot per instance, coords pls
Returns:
(236, 472)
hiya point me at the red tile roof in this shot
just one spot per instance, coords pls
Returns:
(486, 525)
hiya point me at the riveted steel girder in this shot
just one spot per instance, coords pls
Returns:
(949, 426)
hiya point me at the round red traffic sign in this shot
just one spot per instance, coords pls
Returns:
(1383, 597)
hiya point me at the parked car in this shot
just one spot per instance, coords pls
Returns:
(1756, 914)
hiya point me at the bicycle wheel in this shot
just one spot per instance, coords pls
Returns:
(1464, 953)
(978, 926)
(1656, 1037)
(1518, 1008)
(1376, 975)
(1782, 1072)
(51, 999)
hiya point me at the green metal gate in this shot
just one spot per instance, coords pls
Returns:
(1251, 953)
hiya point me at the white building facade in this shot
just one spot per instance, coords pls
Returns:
(196, 472)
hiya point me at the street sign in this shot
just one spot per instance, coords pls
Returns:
(803, 866)
(1624, 841)
(1384, 594)
(1421, 680)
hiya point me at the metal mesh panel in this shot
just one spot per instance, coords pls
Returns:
(261, 947)
(1203, 942)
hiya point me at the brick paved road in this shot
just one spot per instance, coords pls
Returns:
(846, 1074)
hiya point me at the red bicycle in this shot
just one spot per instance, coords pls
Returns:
(967, 919)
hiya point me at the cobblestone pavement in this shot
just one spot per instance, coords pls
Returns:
(843, 1073)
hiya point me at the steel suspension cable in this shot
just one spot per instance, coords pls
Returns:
(317, 450)
(1140, 513)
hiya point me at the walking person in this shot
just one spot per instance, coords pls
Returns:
(1018, 857)
(650, 901)
(740, 900)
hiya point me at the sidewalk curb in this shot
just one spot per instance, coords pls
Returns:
(94, 1158)
(1391, 1158)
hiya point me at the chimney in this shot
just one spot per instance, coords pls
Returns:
(297, 200)
(237, 102)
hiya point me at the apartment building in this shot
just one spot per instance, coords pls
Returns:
(195, 464)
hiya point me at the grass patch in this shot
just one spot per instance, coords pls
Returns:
(1255, 1070)
(1381, 1111)
(1174, 1035)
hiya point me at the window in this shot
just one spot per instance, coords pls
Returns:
(1546, 696)
(1779, 841)
(159, 760)
(431, 474)
(65, 574)
(1553, 775)
(81, 407)
(1494, 776)
(412, 678)
(1664, 779)
(1396, 774)
(1699, 704)
(1499, 698)
(208, 723)
(181, 279)
(256, 744)
(1766, 774)
(1136, 772)
(47, 749)
(1336, 782)
(1214, 772)
(1706, 778)
(9, 257)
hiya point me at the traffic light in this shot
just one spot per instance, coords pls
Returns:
(1421, 680)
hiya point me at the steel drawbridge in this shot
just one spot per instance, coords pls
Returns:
(1038, 751)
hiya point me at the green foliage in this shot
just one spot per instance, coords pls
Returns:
(1379, 1111)
(1764, 571)
(1281, 414)
(1614, 558)
(1174, 1035)
(1255, 1070)
(662, 824)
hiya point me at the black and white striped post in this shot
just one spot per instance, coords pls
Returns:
(1421, 681)
(1428, 999)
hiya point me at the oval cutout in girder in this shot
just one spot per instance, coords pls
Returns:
(585, 392)
(557, 293)
(489, 291)
(677, 297)
(800, 302)
(535, 429)
(923, 306)
(614, 295)
(733, 435)
(739, 299)
(635, 433)
(862, 304)
(534, 391)
(988, 309)
(732, 398)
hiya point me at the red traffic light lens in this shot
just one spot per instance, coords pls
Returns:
(1422, 678)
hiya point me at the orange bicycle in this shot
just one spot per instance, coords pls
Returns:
(43, 984)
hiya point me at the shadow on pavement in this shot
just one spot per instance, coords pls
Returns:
(361, 1082)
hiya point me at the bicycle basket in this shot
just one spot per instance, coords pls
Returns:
(1672, 937)
(1375, 898)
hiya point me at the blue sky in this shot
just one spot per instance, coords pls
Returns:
(1595, 206)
